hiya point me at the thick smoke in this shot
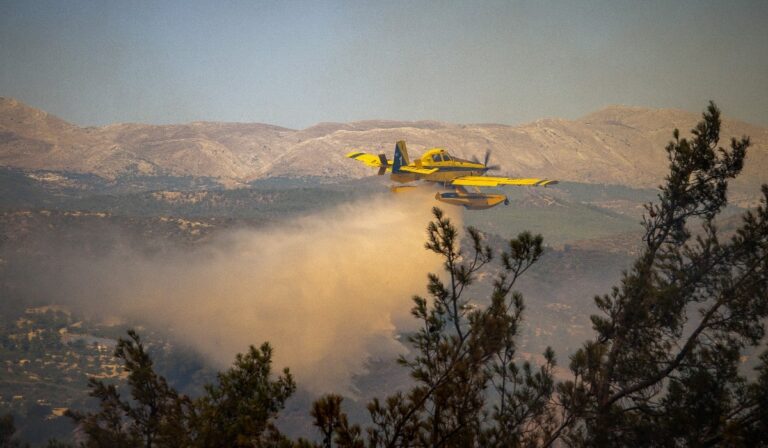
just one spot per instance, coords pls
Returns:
(326, 289)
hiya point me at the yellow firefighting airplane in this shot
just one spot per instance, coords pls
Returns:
(437, 166)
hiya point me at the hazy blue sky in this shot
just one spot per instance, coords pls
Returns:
(296, 63)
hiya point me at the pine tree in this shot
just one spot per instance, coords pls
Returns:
(237, 410)
(333, 424)
(664, 366)
(461, 349)
(153, 416)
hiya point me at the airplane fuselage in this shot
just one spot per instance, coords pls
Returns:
(448, 168)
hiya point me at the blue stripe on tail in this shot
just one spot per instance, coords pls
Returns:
(401, 157)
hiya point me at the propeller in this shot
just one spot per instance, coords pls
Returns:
(486, 159)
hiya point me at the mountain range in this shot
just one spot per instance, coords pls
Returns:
(616, 145)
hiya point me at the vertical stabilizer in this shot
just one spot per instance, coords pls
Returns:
(401, 156)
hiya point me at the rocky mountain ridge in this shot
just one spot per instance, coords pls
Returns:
(616, 145)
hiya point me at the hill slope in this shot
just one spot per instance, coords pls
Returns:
(616, 145)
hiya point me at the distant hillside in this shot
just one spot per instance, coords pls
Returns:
(617, 145)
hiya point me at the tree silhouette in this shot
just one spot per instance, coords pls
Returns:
(664, 366)
(332, 423)
(238, 410)
(462, 348)
(154, 416)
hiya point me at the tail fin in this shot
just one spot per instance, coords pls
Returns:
(401, 156)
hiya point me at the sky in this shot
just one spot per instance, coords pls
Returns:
(298, 63)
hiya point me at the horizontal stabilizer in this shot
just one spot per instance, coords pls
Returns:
(368, 159)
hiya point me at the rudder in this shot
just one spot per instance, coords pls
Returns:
(401, 156)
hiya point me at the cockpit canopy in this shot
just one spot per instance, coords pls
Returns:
(435, 155)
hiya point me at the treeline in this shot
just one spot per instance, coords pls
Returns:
(663, 368)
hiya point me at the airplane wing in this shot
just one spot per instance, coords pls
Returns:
(488, 181)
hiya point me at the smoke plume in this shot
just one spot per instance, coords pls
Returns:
(326, 290)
